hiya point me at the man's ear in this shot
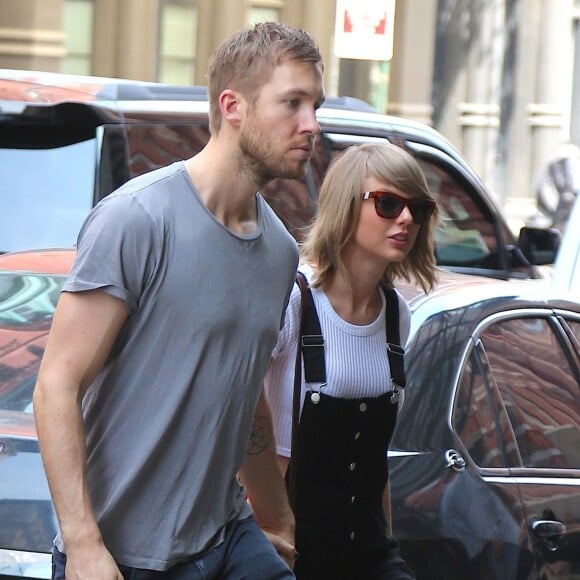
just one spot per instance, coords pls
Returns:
(232, 106)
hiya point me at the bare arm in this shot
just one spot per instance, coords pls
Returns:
(84, 329)
(263, 480)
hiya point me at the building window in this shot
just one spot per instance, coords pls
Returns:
(264, 11)
(177, 41)
(78, 28)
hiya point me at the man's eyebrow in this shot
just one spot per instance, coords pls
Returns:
(295, 93)
(302, 93)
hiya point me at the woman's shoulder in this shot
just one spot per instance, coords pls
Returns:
(307, 270)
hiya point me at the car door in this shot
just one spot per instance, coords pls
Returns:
(534, 365)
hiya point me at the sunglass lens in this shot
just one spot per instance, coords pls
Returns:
(421, 211)
(389, 207)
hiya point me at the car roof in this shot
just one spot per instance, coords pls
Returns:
(42, 261)
(114, 98)
(50, 88)
(21, 88)
(482, 296)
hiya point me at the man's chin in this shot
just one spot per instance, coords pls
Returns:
(296, 172)
(286, 173)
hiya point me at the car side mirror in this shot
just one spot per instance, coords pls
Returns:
(539, 245)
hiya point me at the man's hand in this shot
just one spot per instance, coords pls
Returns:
(284, 547)
(92, 562)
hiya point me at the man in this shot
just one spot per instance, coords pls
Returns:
(153, 369)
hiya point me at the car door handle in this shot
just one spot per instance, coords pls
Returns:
(547, 529)
(453, 460)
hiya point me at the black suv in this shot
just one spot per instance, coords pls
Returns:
(66, 142)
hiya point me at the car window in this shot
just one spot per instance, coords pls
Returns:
(574, 326)
(479, 419)
(539, 389)
(466, 237)
(46, 192)
(155, 145)
(27, 304)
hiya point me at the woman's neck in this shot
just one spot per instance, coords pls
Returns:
(354, 299)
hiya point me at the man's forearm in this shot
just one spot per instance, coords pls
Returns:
(62, 445)
(261, 474)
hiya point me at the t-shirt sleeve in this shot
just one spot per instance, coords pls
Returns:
(116, 251)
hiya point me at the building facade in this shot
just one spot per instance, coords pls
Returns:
(499, 78)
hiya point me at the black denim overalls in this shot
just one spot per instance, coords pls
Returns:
(340, 458)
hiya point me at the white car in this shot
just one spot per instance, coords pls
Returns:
(567, 265)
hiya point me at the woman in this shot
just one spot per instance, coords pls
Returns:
(375, 223)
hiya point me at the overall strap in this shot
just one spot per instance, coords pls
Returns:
(312, 342)
(395, 351)
(292, 471)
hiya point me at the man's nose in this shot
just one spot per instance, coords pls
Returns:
(310, 123)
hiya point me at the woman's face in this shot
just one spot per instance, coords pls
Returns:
(386, 240)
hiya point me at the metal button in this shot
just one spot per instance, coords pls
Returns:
(357, 435)
(363, 407)
(352, 466)
(315, 398)
(352, 535)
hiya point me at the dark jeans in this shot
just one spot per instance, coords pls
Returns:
(245, 553)
(343, 563)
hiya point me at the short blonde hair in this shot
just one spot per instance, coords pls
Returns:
(244, 62)
(339, 208)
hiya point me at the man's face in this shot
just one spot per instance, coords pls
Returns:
(277, 134)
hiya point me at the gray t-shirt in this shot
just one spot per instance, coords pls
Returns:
(167, 419)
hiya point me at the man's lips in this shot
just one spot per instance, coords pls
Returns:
(306, 150)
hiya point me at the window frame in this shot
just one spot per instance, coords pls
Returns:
(553, 318)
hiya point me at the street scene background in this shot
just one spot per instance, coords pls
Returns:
(499, 78)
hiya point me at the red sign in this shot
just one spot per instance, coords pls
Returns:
(364, 29)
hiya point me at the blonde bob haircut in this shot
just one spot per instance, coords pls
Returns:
(245, 61)
(339, 209)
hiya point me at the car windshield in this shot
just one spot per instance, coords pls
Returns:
(45, 193)
(27, 303)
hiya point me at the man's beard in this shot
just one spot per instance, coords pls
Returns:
(259, 159)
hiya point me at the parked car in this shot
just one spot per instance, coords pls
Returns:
(485, 458)
(566, 271)
(68, 141)
(30, 285)
(485, 473)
